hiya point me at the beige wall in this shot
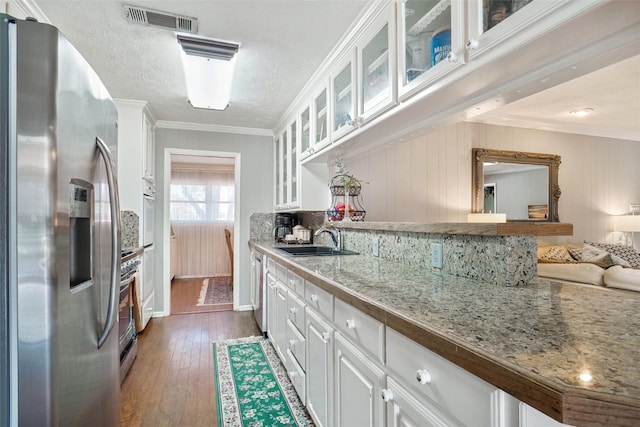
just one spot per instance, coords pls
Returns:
(428, 179)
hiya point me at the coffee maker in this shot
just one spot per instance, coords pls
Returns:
(284, 224)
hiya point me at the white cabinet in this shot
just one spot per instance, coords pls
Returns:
(149, 148)
(530, 417)
(494, 28)
(135, 155)
(363, 82)
(320, 120)
(319, 337)
(272, 312)
(431, 42)
(287, 165)
(404, 409)
(147, 291)
(280, 326)
(358, 386)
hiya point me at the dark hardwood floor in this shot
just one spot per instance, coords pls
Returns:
(171, 381)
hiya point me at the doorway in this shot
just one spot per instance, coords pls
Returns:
(202, 222)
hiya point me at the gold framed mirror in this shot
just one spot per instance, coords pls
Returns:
(524, 185)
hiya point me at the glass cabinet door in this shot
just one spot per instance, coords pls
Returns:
(278, 172)
(293, 165)
(375, 72)
(285, 168)
(431, 39)
(305, 133)
(343, 100)
(321, 122)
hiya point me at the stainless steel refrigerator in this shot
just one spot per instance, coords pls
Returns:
(59, 234)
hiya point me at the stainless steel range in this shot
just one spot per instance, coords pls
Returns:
(127, 332)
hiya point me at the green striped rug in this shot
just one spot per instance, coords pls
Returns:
(252, 386)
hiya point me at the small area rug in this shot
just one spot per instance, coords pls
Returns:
(216, 290)
(252, 386)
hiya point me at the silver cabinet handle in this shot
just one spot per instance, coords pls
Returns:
(350, 324)
(115, 239)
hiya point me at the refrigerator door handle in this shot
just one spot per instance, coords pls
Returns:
(115, 240)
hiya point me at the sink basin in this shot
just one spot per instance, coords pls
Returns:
(314, 251)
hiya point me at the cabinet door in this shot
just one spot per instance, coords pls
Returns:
(281, 322)
(502, 26)
(305, 133)
(292, 200)
(377, 67)
(286, 167)
(358, 385)
(343, 98)
(430, 42)
(530, 417)
(272, 298)
(404, 410)
(319, 338)
(278, 197)
(149, 150)
(320, 121)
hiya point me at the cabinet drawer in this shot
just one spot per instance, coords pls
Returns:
(281, 273)
(453, 390)
(296, 283)
(295, 310)
(319, 299)
(296, 374)
(362, 329)
(296, 344)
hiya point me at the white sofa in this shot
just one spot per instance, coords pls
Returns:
(599, 264)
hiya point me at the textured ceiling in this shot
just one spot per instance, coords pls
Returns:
(282, 43)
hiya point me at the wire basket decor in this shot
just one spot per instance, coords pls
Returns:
(345, 199)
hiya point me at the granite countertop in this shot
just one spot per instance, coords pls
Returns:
(536, 342)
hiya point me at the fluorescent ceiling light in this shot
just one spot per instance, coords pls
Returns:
(581, 112)
(208, 68)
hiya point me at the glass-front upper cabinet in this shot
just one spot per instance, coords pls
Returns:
(377, 66)
(278, 172)
(503, 25)
(343, 99)
(292, 196)
(362, 82)
(431, 41)
(320, 120)
(305, 133)
(285, 167)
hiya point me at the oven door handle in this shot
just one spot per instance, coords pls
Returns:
(115, 240)
(127, 281)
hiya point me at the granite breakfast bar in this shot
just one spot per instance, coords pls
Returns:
(535, 342)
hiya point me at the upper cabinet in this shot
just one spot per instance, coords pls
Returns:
(431, 40)
(286, 167)
(149, 148)
(362, 83)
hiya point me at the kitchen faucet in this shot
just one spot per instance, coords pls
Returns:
(335, 234)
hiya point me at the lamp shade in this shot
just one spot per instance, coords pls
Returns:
(629, 223)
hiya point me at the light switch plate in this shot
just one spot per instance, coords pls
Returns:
(375, 246)
(436, 255)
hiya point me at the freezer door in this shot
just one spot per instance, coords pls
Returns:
(68, 236)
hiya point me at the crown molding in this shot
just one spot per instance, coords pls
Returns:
(165, 124)
(30, 9)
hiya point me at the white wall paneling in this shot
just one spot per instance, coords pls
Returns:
(428, 178)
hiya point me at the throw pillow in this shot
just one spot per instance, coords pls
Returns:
(628, 253)
(589, 253)
(557, 253)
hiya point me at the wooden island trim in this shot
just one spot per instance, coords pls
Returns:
(509, 228)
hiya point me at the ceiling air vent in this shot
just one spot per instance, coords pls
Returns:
(156, 18)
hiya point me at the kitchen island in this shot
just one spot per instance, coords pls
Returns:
(567, 350)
